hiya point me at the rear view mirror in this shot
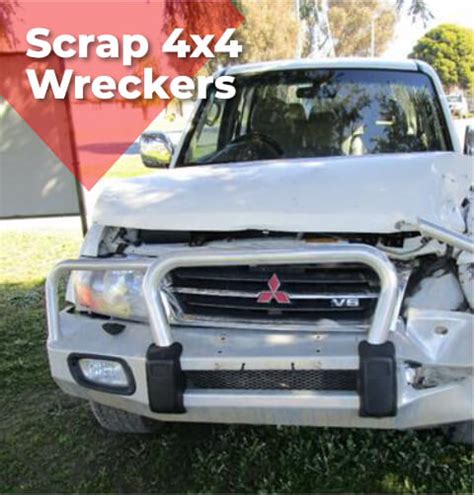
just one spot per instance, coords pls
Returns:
(469, 140)
(156, 149)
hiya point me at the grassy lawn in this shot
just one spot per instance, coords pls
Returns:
(50, 443)
(128, 166)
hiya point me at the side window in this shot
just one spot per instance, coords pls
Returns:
(242, 119)
(205, 139)
(247, 112)
(432, 128)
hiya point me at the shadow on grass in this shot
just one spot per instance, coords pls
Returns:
(51, 443)
(112, 148)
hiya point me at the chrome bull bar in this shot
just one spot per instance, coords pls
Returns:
(156, 270)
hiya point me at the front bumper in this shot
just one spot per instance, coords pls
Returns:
(420, 348)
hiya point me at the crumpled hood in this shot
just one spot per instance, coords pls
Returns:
(338, 194)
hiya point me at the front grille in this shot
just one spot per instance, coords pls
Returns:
(315, 292)
(273, 379)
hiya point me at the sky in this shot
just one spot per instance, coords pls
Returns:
(445, 12)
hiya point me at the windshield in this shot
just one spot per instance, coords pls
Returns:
(318, 113)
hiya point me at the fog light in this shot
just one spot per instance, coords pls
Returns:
(102, 373)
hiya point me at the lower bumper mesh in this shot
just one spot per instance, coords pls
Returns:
(273, 379)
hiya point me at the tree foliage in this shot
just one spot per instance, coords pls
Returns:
(269, 31)
(417, 9)
(350, 22)
(7, 13)
(450, 50)
(198, 17)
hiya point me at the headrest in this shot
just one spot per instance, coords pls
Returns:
(267, 114)
(295, 111)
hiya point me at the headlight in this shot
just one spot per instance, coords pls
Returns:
(111, 293)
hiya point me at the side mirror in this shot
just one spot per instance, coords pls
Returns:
(469, 140)
(156, 149)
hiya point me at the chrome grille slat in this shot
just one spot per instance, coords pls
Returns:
(274, 309)
(254, 295)
(248, 274)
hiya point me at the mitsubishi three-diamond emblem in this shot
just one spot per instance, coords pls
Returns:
(273, 293)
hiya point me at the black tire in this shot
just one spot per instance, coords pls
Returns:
(120, 421)
(461, 432)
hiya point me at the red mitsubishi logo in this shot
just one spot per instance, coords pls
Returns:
(267, 296)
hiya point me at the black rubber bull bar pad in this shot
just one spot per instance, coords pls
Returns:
(377, 380)
(165, 379)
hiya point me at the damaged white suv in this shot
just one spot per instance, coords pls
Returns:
(306, 260)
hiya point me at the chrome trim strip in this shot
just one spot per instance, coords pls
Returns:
(254, 295)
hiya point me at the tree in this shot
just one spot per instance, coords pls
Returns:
(310, 39)
(269, 31)
(7, 14)
(150, 61)
(450, 50)
(351, 20)
(417, 9)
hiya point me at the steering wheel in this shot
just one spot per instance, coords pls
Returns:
(260, 136)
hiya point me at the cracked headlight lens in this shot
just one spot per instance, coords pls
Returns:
(111, 293)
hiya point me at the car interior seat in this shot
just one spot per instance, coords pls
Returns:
(321, 134)
(294, 141)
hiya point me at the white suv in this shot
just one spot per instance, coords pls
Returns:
(306, 260)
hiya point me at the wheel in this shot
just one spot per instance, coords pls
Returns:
(120, 421)
(461, 432)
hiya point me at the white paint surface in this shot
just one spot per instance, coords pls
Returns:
(342, 194)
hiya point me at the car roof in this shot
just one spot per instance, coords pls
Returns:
(328, 63)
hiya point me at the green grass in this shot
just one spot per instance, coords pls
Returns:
(49, 442)
(128, 166)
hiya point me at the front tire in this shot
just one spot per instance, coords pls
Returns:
(120, 421)
(461, 432)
